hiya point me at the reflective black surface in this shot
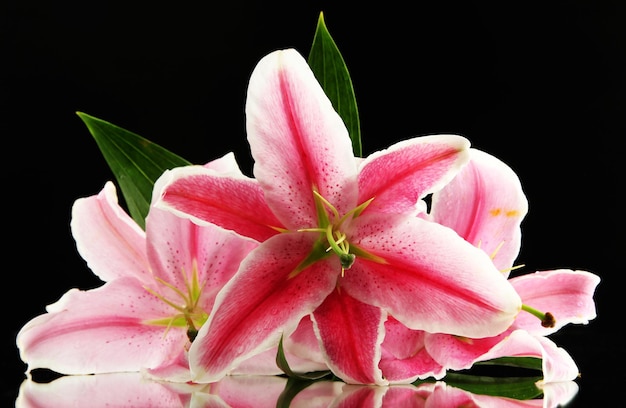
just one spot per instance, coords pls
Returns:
(541, 86)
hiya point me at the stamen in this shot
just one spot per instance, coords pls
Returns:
(547, 319)
(164, 299)
(174, 288)
(327, 204)
(190, 315)
(331, 240)
(495, 251)
(512, 268)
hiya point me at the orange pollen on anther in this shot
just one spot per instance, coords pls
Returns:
(508, 213)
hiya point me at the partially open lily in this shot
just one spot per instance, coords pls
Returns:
(159, 289)
(485, 204)
(339, 241)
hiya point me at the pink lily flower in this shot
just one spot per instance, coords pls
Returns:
(485, 205)
(339, 241)
(160, 286)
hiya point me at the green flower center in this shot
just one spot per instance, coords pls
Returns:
(189, 314)
(332, 239)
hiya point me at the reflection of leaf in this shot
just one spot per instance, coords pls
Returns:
(331, 71)
(282, 363)
(135, 162)
(292, 388)
(520, 388)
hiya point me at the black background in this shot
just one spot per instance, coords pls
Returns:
(539, 85)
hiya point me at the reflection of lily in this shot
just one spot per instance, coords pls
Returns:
(160, 286)
(133, 390)
(485, 205)
(339, 241)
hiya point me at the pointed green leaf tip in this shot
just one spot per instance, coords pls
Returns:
(135, 162)
(331, 71)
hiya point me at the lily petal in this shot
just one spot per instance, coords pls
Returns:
(226, 165)
(459, 353)
(485, 205)
(303, 342)
(259, 304)
(404, 355)
(265, 364)
(204, 195)
(557, 364)
(107, 238)
(409, 170)
(106, 329)
(565, 293)
(350, 334)
(431, 279)
(174, 371)
(298, 141)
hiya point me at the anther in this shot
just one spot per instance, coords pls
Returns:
(191, 334)
(547, 319)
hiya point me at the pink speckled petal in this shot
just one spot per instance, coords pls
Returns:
(409, 170)
(431, 279)
(350, 333)
(235, 203)
(260, 304)
(297, 140)
(106, 330)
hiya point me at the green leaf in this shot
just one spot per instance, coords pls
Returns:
(533, 363)
(331, 71)
(281, 362)
(135, 162)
